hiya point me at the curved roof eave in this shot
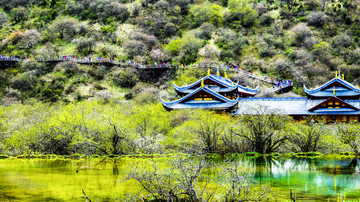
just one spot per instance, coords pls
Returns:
(249, 90)
(232, 88)
(307, 91)
(188, 86)
(181, 99)
(226, 83)
(165, 104)
(176, 87)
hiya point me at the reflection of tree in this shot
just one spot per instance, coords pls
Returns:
(268, 167)
(115, 168)
(340, 167)
(115, 172)
(264, 167)
(300, 162)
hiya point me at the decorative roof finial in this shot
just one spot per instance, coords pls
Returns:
(217, 72)
(336, 75)
(225, 75)
(208, 73)
(202, 83)
(343, 77)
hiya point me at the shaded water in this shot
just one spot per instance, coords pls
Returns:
(46, 180)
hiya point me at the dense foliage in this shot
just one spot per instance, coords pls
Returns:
(98, 127)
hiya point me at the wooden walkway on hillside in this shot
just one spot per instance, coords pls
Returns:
(107, 63)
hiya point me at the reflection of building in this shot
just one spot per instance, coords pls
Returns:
(211, 92)
(336, 100)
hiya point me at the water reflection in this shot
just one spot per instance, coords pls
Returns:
(308, 178)
(271, 167)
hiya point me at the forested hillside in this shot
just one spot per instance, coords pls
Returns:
(300, 40)
(304, 40)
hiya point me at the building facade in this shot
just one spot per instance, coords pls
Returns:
(335, 101)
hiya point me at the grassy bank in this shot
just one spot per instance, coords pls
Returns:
(216, 157)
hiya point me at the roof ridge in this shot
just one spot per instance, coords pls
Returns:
(346, 83)
(277, 98)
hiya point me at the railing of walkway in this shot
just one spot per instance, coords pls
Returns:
(87, 61)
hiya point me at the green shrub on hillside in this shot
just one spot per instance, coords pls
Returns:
(125, 78)
(26, 81)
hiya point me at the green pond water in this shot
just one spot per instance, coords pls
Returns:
(57, 180)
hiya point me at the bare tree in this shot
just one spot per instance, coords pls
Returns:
(238, 187)
(178, 182)
(306, 138)
(350, 135)
(233, 142)
(264, 130)
(208, 126)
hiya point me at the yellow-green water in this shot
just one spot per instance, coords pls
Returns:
(57, 180)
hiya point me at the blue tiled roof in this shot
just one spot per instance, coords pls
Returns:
(324, 89)
(240, 88)
(339, 91)
(287, 106)
(217, 89)
(355, 103)
(312, 103)
(180, 104)
(200, 106)
(220, 80)
(211, 77)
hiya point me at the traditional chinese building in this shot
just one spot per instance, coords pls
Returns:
(211, 92)
(336, 100)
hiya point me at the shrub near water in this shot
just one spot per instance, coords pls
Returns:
(185, 179)
(2, 156)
